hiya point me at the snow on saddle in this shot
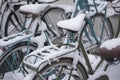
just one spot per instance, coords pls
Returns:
(73, 24)
(109, 49)
(34, 9)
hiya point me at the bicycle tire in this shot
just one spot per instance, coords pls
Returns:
(11, 23)
(51, 16)
(102, 34)
(2, 11)
(64, 63)
(12, 57)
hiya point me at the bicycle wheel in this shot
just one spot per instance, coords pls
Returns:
(62, 70)
(11, 23)
(2, 10)
(51, 16)
(12, 57)
(101, 32)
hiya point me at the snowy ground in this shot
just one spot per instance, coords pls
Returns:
(114, 71)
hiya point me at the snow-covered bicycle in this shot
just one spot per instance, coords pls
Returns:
(70, 61)
(12, 21)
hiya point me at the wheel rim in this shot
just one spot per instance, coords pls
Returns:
(62, 71)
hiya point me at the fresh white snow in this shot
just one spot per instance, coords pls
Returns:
(113, 70)
(33, 8)
(110, 44)
(14, 38)
(73, 23)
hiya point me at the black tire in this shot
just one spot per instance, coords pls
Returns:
(12, 23)
(62, 66)
(97, 29)
(12, 57)
(3, 7)
(51, 16)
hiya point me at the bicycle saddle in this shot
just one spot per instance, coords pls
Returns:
(33, 9)
(73, 24)
(109, 49)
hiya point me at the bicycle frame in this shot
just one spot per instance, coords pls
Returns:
(79, 47)
(35, 24)
(72, 50)
(100, 7)
(75, 53)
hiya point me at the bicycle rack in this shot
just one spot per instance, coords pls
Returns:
(15, 38)
(46, 55)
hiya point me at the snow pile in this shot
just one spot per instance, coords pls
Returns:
(97, 74)
(16, 75)
(33, 8)
(92, 58)
(30, 76)
(113, 72)
(110, 44)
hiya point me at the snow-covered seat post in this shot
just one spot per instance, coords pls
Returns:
(73, 26)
